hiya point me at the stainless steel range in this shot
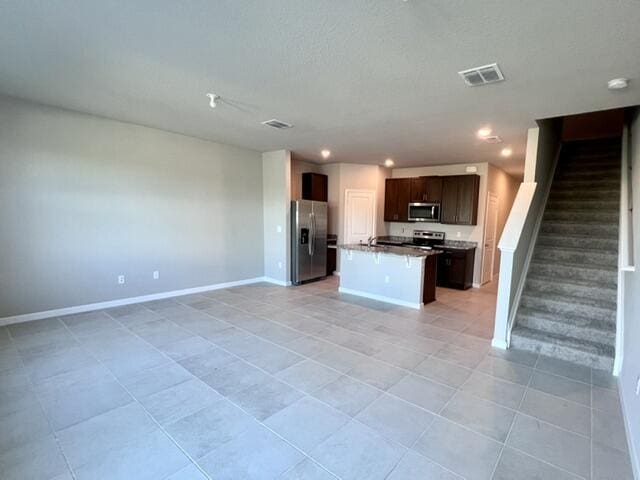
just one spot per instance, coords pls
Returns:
(427, 238)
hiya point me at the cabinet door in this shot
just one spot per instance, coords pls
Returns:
(449, 205)
(457, 270)
(391, 200)
(418, 189)
(314, 187)
(404, 196)
(433, 189)
(467, 202)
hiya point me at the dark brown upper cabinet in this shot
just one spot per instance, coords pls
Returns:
(315, 187)
(397, 195)
(426, 189)
(460, 199)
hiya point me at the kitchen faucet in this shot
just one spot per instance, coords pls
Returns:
(371, 240)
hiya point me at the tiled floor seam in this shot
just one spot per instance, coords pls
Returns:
(234, 404)
(135, 399)
(436, 414)
(345, 348)
(513, 421)
(41, 406)
(411, 372)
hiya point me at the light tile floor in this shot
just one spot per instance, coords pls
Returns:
(265, 382)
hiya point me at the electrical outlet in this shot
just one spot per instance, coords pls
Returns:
(279, 229)
(458, 234)
(156, 275)
(280, 265)
(386, 279)
(638, 386)
(120, 279)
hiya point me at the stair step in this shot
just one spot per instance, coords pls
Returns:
(607, 277)
(578, 241)
(569, 307)
(591, 331)
(576, 256)
(584, 204)
(599, 183)
(585, 194)
(591, 354)
(580, 170)
(582, 216)
(578, 229)
(573, 288)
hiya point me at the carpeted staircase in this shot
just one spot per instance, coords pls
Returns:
(568, 305)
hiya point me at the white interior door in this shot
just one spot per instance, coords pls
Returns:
(490, 233)
(360, 215)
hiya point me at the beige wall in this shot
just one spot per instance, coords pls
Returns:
(84, 199)
(505, 187)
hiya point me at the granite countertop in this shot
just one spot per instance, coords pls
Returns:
(391, 250)
(454, 244)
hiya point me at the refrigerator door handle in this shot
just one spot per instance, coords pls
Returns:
(309, 246)
(313, 234)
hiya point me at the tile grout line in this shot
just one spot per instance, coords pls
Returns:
(411, 372)
(53, 432)
(359, 334)
(383, 391)
(305, 394)
(221, 398)
(506, 439)
(135, 399)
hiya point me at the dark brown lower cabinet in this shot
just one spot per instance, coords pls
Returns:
(331, 260)
(455, 268)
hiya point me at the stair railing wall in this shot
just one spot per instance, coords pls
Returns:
(625, 246)
(521, 229)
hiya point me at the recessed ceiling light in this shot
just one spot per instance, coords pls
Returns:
(506, 152)
(617, 84)
(325, 153)
(388, 162)
(484, 132)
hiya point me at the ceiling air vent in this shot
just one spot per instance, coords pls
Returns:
(493, 139)
(279, 124)
(482, 75)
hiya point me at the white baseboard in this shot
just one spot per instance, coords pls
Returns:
(501, 344)
(633, 451)
(27, 317)
(380, 298)
(336, 273)
(476, 285)
(275, 281)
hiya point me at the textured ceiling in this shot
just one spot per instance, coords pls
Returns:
(367, 79)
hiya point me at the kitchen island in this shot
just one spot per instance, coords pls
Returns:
(400, 275)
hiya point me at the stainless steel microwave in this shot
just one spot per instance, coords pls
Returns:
(424, 212)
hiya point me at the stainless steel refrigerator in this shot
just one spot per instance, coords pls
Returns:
(308, 241)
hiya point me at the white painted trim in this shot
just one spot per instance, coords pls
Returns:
(275, 281)
(27, 317)
(477, 284)
(623, 251)
(380, 298)
(484, 240)
(497, 343)
(634, 450)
